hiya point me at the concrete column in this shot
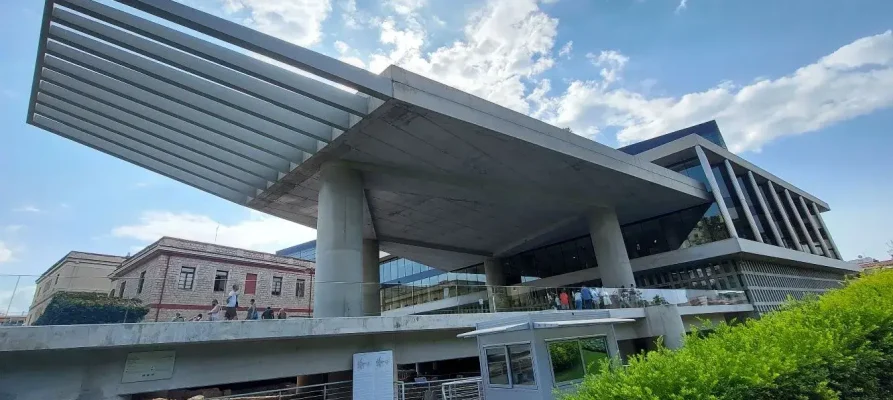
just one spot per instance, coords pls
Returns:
(717, 195)
(339, 242)
(371, 278)
(787, 196)
(666, 321)
(784, 216)
(766, 211)
(496, 282)
(818, 216)
(610, 250)
(743, 201)
(815, 228)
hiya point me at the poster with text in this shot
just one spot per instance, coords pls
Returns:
(373, 375)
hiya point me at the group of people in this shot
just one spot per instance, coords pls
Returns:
(587, 298)
(229, 312)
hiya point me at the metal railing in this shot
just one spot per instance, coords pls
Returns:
(465, 389)
(446, 389)
(342, 390)
(17, 293)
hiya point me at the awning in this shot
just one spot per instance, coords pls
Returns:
(497, 329)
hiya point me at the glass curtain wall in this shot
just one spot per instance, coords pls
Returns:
(407, 283)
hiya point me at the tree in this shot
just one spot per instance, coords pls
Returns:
(76, 308)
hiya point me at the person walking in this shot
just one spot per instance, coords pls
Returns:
(565, 302)
(252, 311)
(586, 295)
(232, 303)
(578, 300)
(214, 313)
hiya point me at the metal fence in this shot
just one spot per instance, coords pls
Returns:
(449, 389)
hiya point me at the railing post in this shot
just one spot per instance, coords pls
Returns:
(324, 390)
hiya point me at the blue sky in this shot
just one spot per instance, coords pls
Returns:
(799, 87)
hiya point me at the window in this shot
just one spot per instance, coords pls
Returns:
(277, 286)
(299, 288)
(220, 279)
(139, 286)
(497, 368)
(123, 285)
(510, 365)
(521, 365)
(573, 358)
(57, 280)
(250, 283)
(187, 277)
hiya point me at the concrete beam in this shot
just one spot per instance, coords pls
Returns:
(268, 46)
(717, 195)
(784, 216)
(809, 243)
(169, 82)
(204, 68)
(818, 215)
(743, 202)
(222, 148)
(815, 227)
(149, 146)
(252, 66)
(766, 211)
(130, 156)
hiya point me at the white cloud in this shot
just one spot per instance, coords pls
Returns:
(350, 14)
(298, 21)
(28, 208)
(504, 43)
(611, 61)
(16, 299)
(683, 4)
(405, 7)
(850, 82)
(5, 253)
(344, 52)
(259, 232)
(566, 49)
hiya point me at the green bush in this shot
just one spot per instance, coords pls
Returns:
(838, 346)
(75, 308)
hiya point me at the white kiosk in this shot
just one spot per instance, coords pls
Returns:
(529, 357)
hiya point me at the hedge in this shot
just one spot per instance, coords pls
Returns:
(837, 346)
(74, 308)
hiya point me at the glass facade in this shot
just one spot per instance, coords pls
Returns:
(407, 283)
(303, 251)
(708, 130)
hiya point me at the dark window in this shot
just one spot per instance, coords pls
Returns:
(220, 279)
(187, 277)
(299, 288)
(139, 286)
(57, 280)
(123, 285)
(277, 286)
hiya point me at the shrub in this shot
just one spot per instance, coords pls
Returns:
(838, 346)
(74, 308)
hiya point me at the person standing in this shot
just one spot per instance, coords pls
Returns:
(232, 303)
(282, 314)
(586, 294)
(578, 300)
(214, 313)
(565, 302)
(268, 313)
(252, 311)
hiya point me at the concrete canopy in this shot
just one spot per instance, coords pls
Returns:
(441, 169)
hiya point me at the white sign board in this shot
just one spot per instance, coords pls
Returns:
(373, 375)
(148, 366)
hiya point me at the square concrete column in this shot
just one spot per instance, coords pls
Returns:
(496, 285)
(815, 228)
(784, 216)
(818, 216)
(743, 201)
(610, 250)
(809, 243)
(337, 290)
(717, 195)
(766, 211)
(371, 278)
